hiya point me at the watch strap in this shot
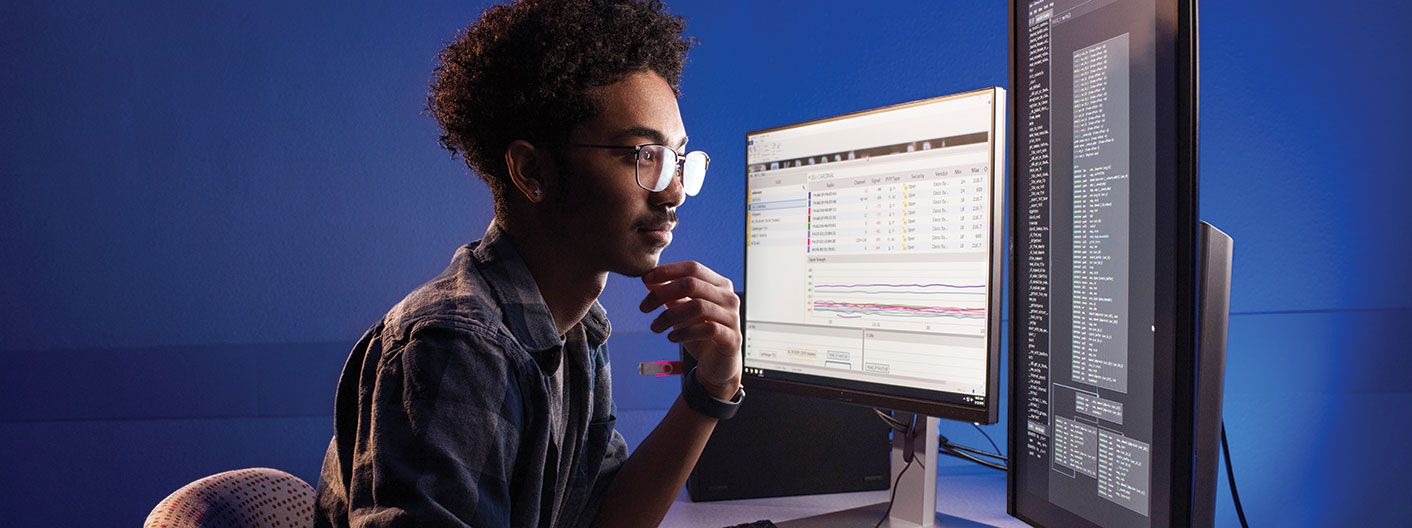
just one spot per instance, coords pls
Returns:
(703, 402)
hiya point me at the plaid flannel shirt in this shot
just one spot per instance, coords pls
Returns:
(442, 415)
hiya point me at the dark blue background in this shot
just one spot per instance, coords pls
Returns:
(205, 204)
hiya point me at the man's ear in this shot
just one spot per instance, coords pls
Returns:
(525, 163)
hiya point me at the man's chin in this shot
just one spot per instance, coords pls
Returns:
(640, 266)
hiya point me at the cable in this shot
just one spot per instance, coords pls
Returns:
(899, 427)
(988, 439)
(892, 421)
(945, 450)
(975, 451)
(1235, 496)
(895, 482)
(946, 447)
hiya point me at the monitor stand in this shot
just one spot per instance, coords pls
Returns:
(915, 502)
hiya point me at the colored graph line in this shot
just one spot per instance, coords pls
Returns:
(938, 285)
(845, 309)
(907, 292)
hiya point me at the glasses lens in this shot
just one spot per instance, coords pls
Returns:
(656, 165)
(693, 172)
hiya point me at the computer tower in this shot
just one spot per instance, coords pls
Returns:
(780, 444)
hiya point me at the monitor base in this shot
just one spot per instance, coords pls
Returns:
(913, 486)
(867, 516)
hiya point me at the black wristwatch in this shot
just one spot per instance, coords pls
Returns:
(703, 402)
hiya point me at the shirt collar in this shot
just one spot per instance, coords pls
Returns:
(526, 314)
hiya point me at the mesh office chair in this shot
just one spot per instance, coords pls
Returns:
(239, 498)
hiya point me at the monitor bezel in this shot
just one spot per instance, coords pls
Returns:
(1175, 300)
(819, 387)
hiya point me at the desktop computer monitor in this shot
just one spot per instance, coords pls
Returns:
(873, 273)
(1114, 408)
(873, 264)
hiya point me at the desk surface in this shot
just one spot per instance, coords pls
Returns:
(965, 497)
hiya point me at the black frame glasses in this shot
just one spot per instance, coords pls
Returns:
(663, 163)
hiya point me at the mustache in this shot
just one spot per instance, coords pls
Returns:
(653, 221)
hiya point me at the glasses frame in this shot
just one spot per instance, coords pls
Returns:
(677, 173)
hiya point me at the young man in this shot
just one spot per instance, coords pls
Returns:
(483, 398)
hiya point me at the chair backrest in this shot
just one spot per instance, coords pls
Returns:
(239, 498)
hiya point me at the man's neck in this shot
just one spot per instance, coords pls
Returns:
(568, 291)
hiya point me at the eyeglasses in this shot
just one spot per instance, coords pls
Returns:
(658, 164)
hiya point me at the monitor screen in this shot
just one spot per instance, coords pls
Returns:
(872, 273)
(1105, 220)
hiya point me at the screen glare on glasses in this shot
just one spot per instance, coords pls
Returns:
(657, 164)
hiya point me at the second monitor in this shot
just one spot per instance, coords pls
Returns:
(873, 268)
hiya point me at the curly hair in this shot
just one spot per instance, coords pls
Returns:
(527, 70)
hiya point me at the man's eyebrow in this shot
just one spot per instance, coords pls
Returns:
(650, 134)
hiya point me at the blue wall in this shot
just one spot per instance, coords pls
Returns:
(204, 205)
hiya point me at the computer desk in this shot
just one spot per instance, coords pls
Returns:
(966, 497)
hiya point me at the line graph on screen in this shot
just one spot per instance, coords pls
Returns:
(955, 307)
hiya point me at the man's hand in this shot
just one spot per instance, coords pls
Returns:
(704, 315)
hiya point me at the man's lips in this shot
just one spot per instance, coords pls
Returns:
(659, 232)
(657, 224)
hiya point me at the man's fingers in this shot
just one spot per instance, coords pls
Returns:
(688, 288)
(686, 268)
(692, 311)
(709, 331)
(659, 294)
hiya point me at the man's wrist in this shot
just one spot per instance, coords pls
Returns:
(721, 392)
(704, 401)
